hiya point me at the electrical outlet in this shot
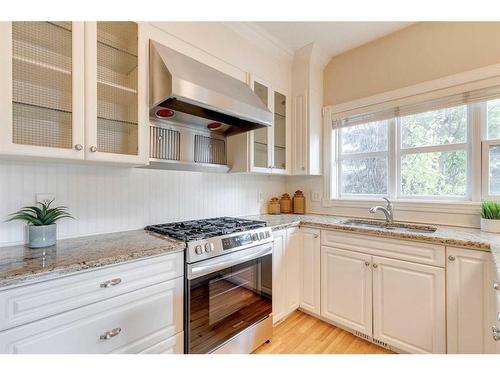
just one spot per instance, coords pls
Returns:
(260, 197)
(45, 197)
(315, 196)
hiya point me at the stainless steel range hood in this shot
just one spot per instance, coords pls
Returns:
(184, 85)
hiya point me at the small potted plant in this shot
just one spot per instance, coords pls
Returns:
(41, 220)
(490, 216)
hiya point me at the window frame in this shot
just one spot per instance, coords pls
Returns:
(477, 163)
(485, 155)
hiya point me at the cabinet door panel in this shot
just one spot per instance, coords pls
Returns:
(42, 75)
(279, 275)
(470, 301)
(346, 288)
(292, 254)
(409, 305)
(310, 289)
(114, 90)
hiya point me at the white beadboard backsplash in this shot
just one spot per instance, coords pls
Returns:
(109, 199)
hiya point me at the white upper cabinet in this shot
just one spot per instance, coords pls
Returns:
(307, 123)
(115, 105)
(41, 77)
(74, 90)
(265, 150)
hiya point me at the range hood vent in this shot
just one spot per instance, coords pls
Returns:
(184, 85)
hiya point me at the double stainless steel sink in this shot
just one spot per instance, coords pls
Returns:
(400, 227)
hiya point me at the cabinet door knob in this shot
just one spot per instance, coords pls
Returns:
(367, 264)
(110, 334)
(451, 258)
(93, 149)
(303, 168)
(375, 265)
(316, 235)
(496, 286)
(78, 147)
(110, 283)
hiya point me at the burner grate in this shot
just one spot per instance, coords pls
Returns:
(202, 229)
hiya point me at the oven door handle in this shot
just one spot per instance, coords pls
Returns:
(216, 264)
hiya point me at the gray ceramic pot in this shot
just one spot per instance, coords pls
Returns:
(41, 236)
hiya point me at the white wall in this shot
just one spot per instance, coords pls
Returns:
(107, 199)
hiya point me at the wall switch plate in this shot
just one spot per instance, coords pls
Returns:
(260, 197)
(315, 196)
(45, 198)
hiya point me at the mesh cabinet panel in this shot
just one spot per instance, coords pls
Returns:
(117, 87)
(42, 83)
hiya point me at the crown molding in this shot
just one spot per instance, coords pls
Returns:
(261, 38)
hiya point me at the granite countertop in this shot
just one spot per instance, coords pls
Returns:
(449, 236)
(20, 264)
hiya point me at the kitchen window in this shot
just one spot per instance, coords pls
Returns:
(427, 151)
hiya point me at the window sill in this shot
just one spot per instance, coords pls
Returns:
(412, 205)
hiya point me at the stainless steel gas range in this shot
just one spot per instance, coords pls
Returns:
(228, 283)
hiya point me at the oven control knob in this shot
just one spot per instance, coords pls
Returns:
(261, 235)
(255, 237)
(198, 250)
(208, 247)
(267, 235)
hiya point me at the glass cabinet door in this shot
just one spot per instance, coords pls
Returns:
(42, 92)
(279, 149)
(117, 77)
(260, 136)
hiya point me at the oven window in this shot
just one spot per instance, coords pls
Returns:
(226, 302)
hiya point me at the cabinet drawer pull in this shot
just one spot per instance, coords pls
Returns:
(451, 258)
(110, 334)
(367, 264)
(316, 236)
(496, 286)
(110, 283)
(375, 266)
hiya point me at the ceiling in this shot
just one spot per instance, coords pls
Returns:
(332, 37)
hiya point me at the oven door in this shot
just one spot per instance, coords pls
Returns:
(226, 295)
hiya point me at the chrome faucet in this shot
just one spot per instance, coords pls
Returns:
(389, 215)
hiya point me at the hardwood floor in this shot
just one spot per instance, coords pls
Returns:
(303, 334)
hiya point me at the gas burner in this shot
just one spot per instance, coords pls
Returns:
(194, 230)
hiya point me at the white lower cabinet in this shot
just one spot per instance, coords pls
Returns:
(286, 271)
(346, 288)
(470, 301)
(409, 305)
(310, 271)
(128, 323)
(395, 302)
(139, 310)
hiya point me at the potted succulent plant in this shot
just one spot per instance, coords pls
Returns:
(41, 221)
(490, 216)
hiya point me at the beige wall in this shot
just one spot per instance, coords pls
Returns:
(419, 53)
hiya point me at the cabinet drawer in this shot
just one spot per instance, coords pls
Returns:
(143, 317)
(172, 345)
(32, 302)
(417, 252)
